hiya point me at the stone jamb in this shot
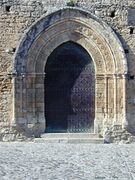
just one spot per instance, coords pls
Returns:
(104, 36)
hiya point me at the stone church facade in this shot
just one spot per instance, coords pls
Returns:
(67, 66)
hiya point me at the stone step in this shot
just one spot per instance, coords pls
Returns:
(70, 135)
(69, 138)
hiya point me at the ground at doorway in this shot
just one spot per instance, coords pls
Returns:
(40, 161)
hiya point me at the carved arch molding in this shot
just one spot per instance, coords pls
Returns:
(100, 42)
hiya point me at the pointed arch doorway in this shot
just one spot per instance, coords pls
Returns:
(34, 54)
(69, 90)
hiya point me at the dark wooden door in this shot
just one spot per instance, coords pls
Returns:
(69, 90)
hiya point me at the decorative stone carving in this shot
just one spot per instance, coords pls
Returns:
(99, 41)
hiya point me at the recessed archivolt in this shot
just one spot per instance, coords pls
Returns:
(92, 28)
(61, 38)
(48, 33)
(40, 58)
(82, 32)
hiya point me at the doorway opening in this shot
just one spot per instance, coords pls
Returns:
(69, 90)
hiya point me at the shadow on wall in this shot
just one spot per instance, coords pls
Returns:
(130, 86)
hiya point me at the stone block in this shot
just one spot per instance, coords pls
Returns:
(131, 17)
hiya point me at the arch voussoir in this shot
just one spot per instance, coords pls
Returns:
(97, 39)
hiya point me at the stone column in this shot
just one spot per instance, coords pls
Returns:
(30, 99)
(40, 101)
(115, 99)
(106, 101)
(18, 99)
(13, 122)
(125, 122)
(99, 103)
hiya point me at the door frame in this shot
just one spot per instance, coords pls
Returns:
(99, 40)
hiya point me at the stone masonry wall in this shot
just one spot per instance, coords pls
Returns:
(16, 16)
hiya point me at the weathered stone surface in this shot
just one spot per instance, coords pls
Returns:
(21, 92)
(16, 133)
(116, 134)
